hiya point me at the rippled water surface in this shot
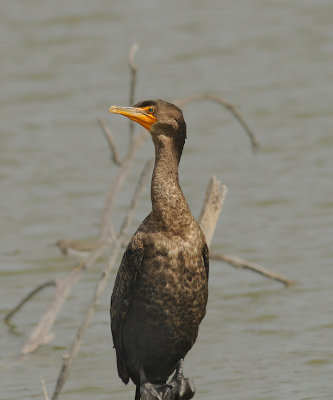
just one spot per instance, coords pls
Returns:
(63, 63)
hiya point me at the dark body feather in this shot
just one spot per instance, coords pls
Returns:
(161, 289)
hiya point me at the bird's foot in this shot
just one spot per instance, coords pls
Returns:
(153, 391)
(182, 388)
(179, 388)
(150, 391)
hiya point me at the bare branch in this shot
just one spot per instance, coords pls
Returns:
(109, 137)
(28, 297)
(244, 264)
(68, 361)
(212, 207)
(232, 108)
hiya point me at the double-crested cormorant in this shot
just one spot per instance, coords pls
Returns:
(161, 289)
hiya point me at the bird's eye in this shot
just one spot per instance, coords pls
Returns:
(151, 110)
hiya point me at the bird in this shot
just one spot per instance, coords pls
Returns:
(161, 288)
(80, 248)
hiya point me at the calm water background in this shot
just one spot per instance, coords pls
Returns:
(62, 64)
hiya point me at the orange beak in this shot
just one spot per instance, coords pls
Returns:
(139, 115)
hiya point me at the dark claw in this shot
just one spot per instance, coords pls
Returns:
(186, 389)
(182, 388)
(149, 391)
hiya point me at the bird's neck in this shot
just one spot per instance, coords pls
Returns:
(170, 209)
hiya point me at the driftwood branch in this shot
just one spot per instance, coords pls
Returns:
(28, 297)
(68, 360)
(244, 264)
(230, 107)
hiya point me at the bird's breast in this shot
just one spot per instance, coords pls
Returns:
(172, 281)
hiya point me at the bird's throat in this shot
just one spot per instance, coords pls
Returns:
(170, 209)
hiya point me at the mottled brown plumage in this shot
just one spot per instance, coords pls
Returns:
(161, 289)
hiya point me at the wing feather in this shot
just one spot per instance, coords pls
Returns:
(120, 302)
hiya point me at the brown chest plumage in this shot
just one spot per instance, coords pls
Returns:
(169, 300)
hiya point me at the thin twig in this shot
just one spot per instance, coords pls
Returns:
(231, 107)
(68, 361)
(109, 137)
(46, 396)
(133, 72)
(244, 264)
(28, 297)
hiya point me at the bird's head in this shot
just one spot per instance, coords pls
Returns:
(156, 116)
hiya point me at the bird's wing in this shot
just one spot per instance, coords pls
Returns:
(205, 255)
(121, 300)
